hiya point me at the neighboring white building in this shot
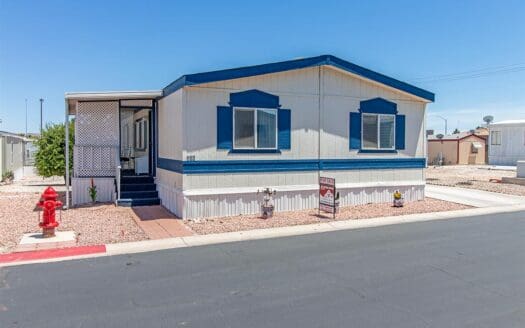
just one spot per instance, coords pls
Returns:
(506, 142)
(15, 153)
(212, 140)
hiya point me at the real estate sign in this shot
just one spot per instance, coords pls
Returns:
(327, 195)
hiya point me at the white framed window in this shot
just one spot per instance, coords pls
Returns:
(254, 128)
(378, 131)
(141, 134)
(495, 138)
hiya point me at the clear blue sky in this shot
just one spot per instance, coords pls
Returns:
(51, 47)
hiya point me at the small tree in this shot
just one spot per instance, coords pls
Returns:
(50, 153)
(456, 131)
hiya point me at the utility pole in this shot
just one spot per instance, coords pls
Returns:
(41, 127)
(26, 117)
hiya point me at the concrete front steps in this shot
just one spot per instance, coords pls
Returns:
(138, 190)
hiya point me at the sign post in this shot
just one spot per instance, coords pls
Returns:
(328, 197)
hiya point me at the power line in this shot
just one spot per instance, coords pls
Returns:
(482, 72)
(468, 72)
(472, 76)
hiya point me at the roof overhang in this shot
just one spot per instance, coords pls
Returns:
(14, 135)
(73, 97)
(329, 60)
(507, 123)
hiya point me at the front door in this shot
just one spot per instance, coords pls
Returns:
(136, 140)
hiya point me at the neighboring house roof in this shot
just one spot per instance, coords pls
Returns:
(13, 135)
(508, 122)
(481, 132)
(241, 72)
(455, 137)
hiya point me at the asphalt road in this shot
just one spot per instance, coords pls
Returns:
(455, 273)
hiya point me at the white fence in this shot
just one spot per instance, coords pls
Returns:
(80, 190)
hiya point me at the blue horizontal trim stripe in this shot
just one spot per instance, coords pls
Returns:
(372, 163)
(235, 166)
(169, 164)
(235, 73)
(240, 166)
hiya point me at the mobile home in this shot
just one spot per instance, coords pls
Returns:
(506, 142)
(208, 142)
(460, 148)
(16, 154)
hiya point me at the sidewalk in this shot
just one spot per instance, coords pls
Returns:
(158, 223)
(199, 240)
(472, 197)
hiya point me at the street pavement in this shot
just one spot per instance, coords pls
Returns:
(467, 272)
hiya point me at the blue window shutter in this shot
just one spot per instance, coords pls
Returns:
(224, 127)
(355, 130)
(285, 129)
(400, 131)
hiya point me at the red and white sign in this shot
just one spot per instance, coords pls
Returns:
(327, 195)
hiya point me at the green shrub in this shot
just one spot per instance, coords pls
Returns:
(50, 154)
(8, 176)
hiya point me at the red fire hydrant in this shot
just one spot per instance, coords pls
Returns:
(49, 203)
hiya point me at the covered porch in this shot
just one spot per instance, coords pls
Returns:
(115, 145)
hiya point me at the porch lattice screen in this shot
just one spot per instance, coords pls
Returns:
(96, 139)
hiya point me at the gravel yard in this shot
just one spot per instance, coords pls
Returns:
(94, 225)
(105, 223)
(33, 184)
(248, 222)
(473, 177)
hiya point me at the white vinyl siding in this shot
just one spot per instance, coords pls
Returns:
(316, 118)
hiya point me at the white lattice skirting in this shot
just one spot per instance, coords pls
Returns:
(98, 161)
(96, 151)
(232, 202)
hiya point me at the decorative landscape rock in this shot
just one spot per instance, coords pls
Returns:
(205, 226)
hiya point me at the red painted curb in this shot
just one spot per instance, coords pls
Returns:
(51, 253)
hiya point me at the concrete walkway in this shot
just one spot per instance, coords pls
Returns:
(158, 223)
(472, 197)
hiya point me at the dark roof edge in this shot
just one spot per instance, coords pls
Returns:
(459, 139)
(247, 71)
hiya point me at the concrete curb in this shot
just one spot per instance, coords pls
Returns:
(52, 254)
(201, 240)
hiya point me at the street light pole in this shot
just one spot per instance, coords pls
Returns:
(41, 128)
(444, 119)
(26, 117)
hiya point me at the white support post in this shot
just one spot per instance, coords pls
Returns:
(66, 122)
(118, 175)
